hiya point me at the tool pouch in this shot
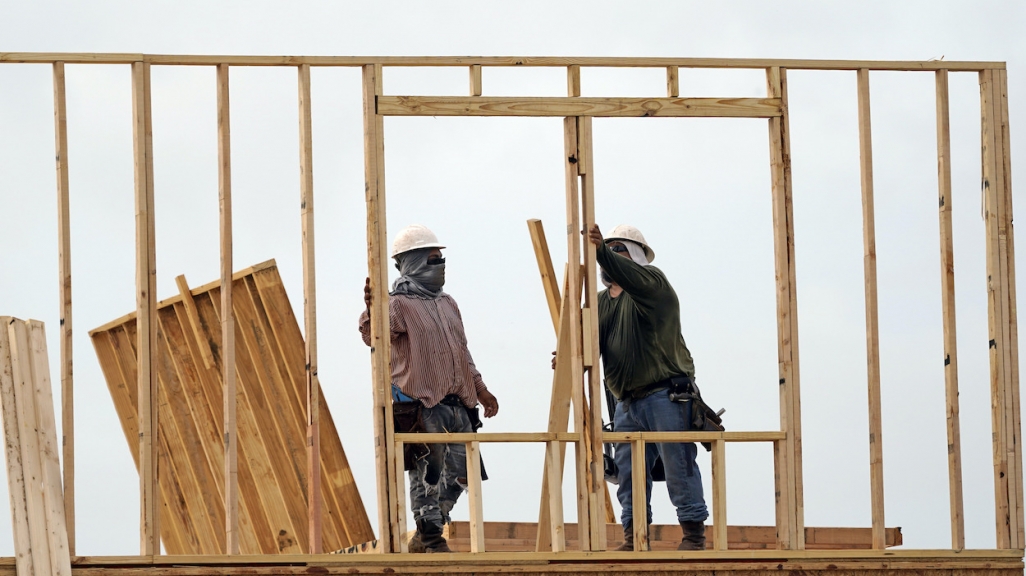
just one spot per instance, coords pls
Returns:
(407, 418)
(702, 417)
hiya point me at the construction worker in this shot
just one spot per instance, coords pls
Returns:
(432, 365)
(644, 359)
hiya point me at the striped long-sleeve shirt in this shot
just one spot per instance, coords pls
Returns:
(430, 359)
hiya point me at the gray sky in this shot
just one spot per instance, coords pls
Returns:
(699, 189)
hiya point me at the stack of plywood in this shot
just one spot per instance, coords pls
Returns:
(30, 441)
(271, 417)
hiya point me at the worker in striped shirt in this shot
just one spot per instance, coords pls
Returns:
(431, 364)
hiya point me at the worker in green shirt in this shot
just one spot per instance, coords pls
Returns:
(645, 359)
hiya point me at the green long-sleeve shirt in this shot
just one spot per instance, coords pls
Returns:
(639, 330)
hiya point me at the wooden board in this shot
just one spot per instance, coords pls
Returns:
(271, 419)
(576, 106)
(31, 449)
(520, 536)
(559, 61)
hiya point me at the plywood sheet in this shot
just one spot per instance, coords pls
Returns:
(270, 365)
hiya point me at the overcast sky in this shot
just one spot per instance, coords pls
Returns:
(699, 189)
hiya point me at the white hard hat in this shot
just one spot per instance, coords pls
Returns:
(414, 237)
(628, 232)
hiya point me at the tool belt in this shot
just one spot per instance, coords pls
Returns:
(407, 417)
(681, 389)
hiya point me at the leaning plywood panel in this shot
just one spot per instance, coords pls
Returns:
(271, 417)
(30, 441)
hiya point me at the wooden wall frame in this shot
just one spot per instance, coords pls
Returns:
(580, 289)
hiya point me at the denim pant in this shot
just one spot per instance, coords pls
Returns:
(656, 413)
(433, 502)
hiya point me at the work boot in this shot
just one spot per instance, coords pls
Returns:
(628, 540)
(431, 537)
(694, 536)
(416, 544)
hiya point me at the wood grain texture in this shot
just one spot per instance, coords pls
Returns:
(273, 511)
(1015, 463)
(146, 306)
(520, 536)
(16, 486)
(475, 80)
(876, 477)
(788, 473)
(947, 253)
(639, 498)
(313, 489)
(577, 106)
(545, 61)
(474, 497)
(719, 494)
(60, 122)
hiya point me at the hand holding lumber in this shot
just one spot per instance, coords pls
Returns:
(367, 294)
(553, 359)
(594, 235)
(491, 405)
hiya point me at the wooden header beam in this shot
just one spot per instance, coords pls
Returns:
(543, 61)
(576, 106)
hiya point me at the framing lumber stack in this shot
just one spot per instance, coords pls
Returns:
(30, 442)
(271, 421)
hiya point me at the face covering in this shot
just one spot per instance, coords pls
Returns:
(637, 254)
(417, 277)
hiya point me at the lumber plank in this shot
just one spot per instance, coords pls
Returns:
(31, 451)
(475, 79)
(46, 423)
(16, 486)
(199, 331)
(590, 330)
(224, 188)
(573, 80)
(639, 495)
(788, 455)
(553, 462)
(617, 437)
(559, 410)
(464, 437)
(1013, 346)
(795, 434)
(545, 61)
(719, 490)
(955, 500)
(60, 122)
(672, 82)
(313, 449)
(876, 482)
(548, 273)
(474, 500)
(146, 309)
(578, 106)
(991, 182)
(573, 312)
(377, 258)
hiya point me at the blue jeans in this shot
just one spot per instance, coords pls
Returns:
(433, 502)
(656, 413)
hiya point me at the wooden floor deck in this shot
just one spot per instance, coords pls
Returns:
(703, 563)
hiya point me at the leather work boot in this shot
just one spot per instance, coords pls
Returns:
(431, 537)
(416, 544)
(694, 536)
(628, 541)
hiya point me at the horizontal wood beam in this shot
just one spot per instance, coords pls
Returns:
(454, 560)
(694, 436)
(576, 106)
(551, 61)
(462, 438)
